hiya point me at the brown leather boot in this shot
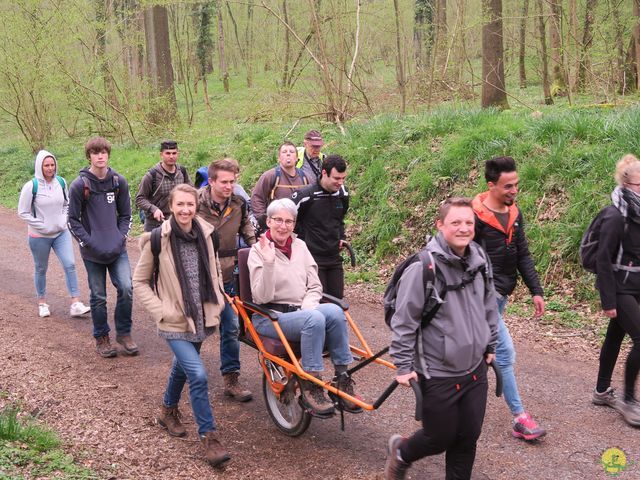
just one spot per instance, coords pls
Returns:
(130, 347)
(233, 388)
(104, 347)
(315, 398)
(169, 418)
(345, 383)
(214, 453)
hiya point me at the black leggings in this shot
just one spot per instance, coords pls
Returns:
(452, 416)
(627, 321)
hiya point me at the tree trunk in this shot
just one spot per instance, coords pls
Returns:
(204, 45)
(156, 27)
(636, 38)
(287, 47)
(248, 48)
(423, 33)
(619, 70)
(105, 68)
(522, 41)
(494, 93)
(441, 35)
(557, 49)
(587, 39)
(548, 100)
(399, 62)
(223, 61)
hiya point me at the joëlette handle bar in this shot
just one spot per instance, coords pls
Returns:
(418, 393)
(352, 254)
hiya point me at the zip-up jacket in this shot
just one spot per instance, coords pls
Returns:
(234, 221)
(608, 281)
(508, 249)
(465, 326)
(312, 168)
(154, 195)
(320, 221)
(50, 203)
(101, 222)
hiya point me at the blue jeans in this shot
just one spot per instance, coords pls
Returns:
(311, 328)
(505, 358)
(120, 274)
(188, 366)
(62, 246)
(229, 330)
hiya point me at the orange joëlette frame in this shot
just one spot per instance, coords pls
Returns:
(291, 365)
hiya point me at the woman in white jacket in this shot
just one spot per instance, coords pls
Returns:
(43, 205)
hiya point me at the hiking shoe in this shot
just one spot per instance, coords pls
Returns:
(78, 309)
(630, 411)
(43, 310)
(608, 398)
(394, 467)
(233, 388)
(214, 453)
(345, 383)
(104, 347)
(169, 418)
(316, 400)
(526, 428)
(128, 344)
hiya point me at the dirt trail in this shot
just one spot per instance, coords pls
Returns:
(104, 408)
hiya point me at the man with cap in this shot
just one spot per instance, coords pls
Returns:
(157, 183)
(310, 157)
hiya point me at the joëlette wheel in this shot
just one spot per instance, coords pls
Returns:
(286, 412)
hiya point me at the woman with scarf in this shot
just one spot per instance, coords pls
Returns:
(618, 282)
(186, 305)
(284, 278)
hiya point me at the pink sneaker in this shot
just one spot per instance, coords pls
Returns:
(526, 428)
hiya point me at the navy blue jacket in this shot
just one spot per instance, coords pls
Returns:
(100, 219)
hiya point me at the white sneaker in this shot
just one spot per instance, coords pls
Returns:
(43, 310)
(78, 308)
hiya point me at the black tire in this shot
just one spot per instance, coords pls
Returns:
(286, 412)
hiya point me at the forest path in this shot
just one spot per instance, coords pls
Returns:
(104, 408)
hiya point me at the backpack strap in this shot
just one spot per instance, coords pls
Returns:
(34, 192)
(429, 274)
(276, 183)
(156, 246)
(63, 184)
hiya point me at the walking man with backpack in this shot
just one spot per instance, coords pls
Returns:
(500, 231)
(445, 345)
(321, 212)
(310, 156)
(228, 214)
(278, 182)
(100, 220)
(157, 183)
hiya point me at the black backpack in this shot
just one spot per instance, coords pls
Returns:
(591, 240)
(156, 248)
(433, 298)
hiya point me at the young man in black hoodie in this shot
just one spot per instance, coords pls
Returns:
(100, 219)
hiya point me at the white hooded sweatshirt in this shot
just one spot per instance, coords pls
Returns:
(50, 205)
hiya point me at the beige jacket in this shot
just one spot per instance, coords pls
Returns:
(292, 282)
(167, 307)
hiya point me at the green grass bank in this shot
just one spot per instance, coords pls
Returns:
(400, 167)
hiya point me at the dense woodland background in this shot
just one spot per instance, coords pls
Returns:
(415, 94)
(132, 68)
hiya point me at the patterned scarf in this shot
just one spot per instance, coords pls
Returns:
(627, 202)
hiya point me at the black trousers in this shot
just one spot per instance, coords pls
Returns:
(331, 276)
(452, 415)
(627, 321)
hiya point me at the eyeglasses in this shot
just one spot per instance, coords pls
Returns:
(279, 221)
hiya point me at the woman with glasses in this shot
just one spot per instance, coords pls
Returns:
(284, 277)
(618, 282)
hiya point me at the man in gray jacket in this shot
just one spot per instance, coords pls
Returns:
(449, 356)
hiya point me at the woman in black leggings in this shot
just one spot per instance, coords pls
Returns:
(618, 281)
